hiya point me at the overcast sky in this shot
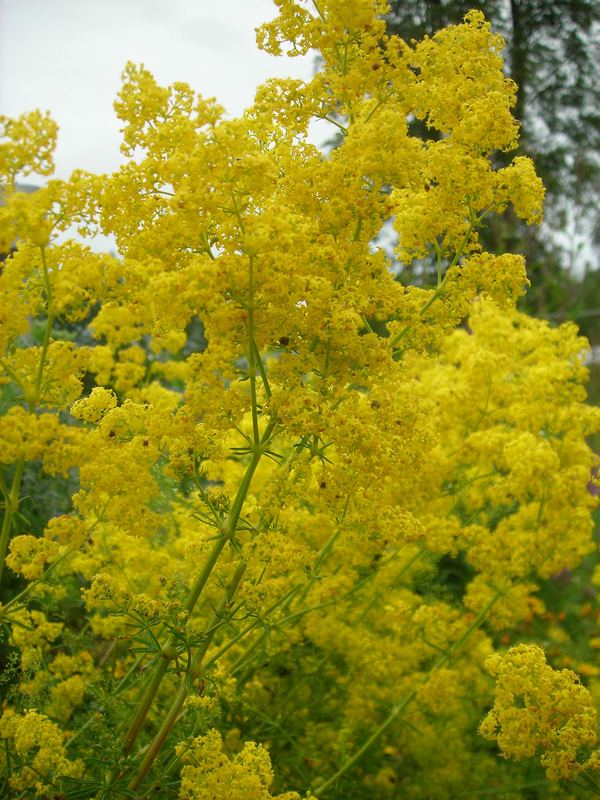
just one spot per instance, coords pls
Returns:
(66, 56)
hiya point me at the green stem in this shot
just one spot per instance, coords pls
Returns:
(281, 602)
(382, 101)
(47, 331)
(230, 525)
(147, 699)
(169, 650)
(11, 508)
(343, 128)
(135, 666)
(261, 369)
(194, 673)
(252, 366)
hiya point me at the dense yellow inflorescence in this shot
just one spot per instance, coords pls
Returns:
(538, 708)
(208, 772)
(303, 500)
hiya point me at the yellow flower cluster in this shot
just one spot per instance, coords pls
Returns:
(27, 145)
(539, 710)
(207, 771)
(42, 437)
(39, 745)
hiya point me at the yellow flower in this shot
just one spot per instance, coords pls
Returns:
(539, 710)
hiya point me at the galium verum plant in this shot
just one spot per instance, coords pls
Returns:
(310, 502)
